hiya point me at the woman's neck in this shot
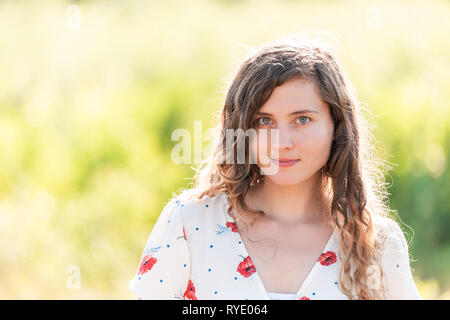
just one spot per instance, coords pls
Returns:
(289, 205)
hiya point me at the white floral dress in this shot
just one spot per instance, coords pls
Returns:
(195, 252)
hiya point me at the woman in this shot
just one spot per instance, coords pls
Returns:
(316, 227)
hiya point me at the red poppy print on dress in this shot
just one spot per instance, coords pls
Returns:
(233, 226)
(246, 267)
(327, 258)
(304, 298)
(190, 292)
(147, 264)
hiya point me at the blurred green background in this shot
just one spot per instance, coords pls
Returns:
(92, 90)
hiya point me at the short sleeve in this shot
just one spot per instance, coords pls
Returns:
(399, 281)
(164, 268)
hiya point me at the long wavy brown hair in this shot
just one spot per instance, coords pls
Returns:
(353, 177)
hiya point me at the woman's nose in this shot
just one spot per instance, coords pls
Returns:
(285, 138)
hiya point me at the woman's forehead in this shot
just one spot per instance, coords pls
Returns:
(294, 97)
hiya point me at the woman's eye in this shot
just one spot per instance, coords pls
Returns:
(264, 121)
(303, 122)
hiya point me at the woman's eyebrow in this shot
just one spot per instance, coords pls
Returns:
(292, 113)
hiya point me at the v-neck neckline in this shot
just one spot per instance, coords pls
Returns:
(259, 281)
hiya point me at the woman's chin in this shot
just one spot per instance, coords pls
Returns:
(284, 180)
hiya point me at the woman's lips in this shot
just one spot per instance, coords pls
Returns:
(285, 162)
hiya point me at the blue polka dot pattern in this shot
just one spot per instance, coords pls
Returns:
(199, 281)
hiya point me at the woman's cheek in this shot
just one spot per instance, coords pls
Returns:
(254, 151)
(317, 148)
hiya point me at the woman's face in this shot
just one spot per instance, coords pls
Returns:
(305, 133)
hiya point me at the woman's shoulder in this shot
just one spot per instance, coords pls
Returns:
(391, 235)
(389, 228)
(396, 262)
(194, 205)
